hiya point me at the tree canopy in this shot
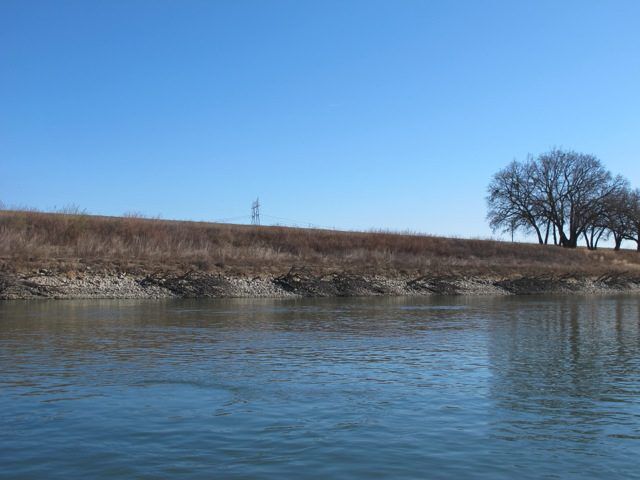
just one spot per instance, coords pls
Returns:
(562, 196)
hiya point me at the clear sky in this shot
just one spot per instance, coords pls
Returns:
(355, 114)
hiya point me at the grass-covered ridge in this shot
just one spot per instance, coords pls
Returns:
(31, 240)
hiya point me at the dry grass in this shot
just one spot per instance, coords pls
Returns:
(31, 240)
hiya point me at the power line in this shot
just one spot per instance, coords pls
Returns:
(299, 222)
(256, 218)
(231, 219)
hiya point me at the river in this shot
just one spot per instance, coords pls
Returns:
(442, 387)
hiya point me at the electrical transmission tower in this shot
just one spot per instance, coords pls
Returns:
(255, 212)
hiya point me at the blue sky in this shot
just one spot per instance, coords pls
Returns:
(354, 114)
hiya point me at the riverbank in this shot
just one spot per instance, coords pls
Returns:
(44, 255)
(48, 284)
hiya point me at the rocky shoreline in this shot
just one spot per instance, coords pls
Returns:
(295, 283)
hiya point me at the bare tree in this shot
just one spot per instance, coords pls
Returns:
(566, 195)
(546, 177)
(597, 230)
(617, 213)
(571, 188)
(511, 200)
(634, 217)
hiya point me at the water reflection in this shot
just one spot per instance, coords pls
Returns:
(392, 387)
(567, 371)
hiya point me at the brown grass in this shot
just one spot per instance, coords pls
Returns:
(31, 240)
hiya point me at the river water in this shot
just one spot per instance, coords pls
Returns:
(540, 387)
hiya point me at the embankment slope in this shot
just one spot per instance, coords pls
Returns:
(44, 255)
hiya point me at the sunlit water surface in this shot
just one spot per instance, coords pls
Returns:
(365, 388)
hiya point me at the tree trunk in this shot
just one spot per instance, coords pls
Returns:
(546, 235)
(574, 236)
(618, 240)
(571, 242)
(598, 238)
(564, 241)
(540, 239)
